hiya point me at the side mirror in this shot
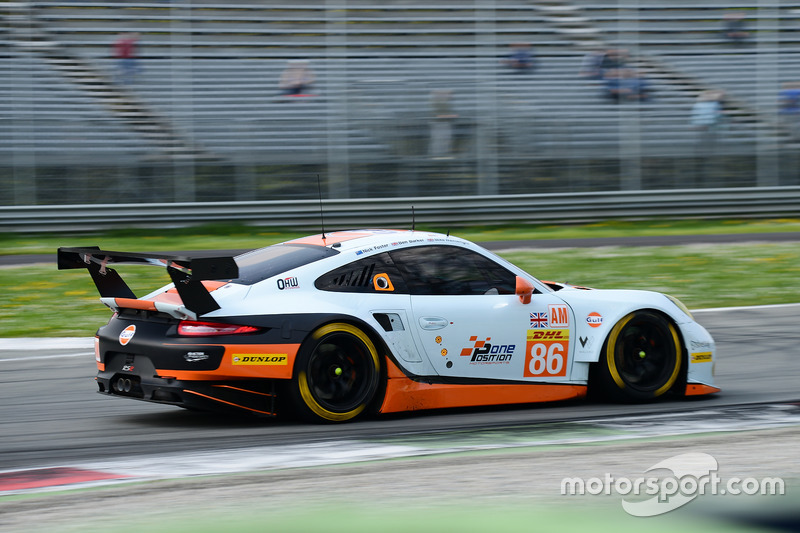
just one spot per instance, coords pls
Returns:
(524, 290)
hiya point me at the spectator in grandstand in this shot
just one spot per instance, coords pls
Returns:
(441, 131)
(614, 59)
(626, 85)
(591, 65)
(733, 28)
(521, 58)
(789, 108)
(297, 78)
(126, 53)
(707, 118)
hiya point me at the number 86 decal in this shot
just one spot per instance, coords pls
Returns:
(546, 353)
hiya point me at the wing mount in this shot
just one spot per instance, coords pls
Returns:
(186, 272)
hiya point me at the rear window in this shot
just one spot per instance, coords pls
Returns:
(264, 263)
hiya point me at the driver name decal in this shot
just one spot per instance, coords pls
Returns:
(546, 353)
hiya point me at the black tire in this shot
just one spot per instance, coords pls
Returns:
(337, 373)
(641, 358)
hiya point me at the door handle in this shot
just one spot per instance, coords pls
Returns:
(432, 322)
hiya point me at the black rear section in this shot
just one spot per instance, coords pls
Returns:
(145, 367)
(131, 369)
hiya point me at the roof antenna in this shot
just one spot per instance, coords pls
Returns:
(448, 232)
(321, 216)
(413, 219)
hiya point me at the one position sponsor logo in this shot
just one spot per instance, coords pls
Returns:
(127, 334)
(260, 359)
(484, 352)
(701, 357)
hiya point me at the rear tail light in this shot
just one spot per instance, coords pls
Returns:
(189, 328)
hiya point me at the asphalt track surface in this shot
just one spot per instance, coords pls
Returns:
(51, 415)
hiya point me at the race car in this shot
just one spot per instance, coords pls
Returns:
(334, 326)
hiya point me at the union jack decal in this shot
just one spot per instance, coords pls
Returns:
(539, 320)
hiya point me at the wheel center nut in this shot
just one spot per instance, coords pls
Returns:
(642, 355)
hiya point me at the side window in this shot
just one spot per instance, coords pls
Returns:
(374, 274)
(451, 270)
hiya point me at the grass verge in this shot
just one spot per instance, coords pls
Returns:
(227, 237)
(40, 301)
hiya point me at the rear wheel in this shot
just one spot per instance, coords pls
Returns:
(641, 359)
(337, 374)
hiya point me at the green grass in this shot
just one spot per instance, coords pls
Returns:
(39, 301)
(483, 512)
(702, 276)
(215, 237)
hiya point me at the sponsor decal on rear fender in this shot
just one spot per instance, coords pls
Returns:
(260, 359)
(127, 334)
(701, 357)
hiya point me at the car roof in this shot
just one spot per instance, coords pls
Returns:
(365, 239)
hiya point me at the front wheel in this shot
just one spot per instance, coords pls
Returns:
(337, 374)
(641, 358)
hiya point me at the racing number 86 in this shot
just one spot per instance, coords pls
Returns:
(546, 357)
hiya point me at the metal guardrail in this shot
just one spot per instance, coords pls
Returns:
(397, 212)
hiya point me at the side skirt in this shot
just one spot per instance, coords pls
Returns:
(405, 394)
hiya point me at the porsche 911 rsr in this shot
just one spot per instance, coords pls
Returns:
(331, 327)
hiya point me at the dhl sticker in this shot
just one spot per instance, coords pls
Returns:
(546, 353)
(548, 335)
(701, 357)
(260, 359)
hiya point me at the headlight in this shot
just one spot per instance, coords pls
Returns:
(679, 304)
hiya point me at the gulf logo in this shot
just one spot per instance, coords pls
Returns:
(594, 319)
(127, 334)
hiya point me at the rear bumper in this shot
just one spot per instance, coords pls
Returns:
(253, 397)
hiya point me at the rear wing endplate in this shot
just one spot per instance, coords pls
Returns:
(187, 273)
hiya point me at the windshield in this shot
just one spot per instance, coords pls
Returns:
(266, 262)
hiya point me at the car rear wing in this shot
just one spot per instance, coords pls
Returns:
(187, 273)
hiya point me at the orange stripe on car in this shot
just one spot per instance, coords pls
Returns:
(133, 303)
(404, 394)
(330, 238)
(230, 387)
(228, 403)
(699, 389)
(168, 297)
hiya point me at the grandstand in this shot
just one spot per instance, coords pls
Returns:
(206, 109)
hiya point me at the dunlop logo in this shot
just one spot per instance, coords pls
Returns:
(260, 359)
